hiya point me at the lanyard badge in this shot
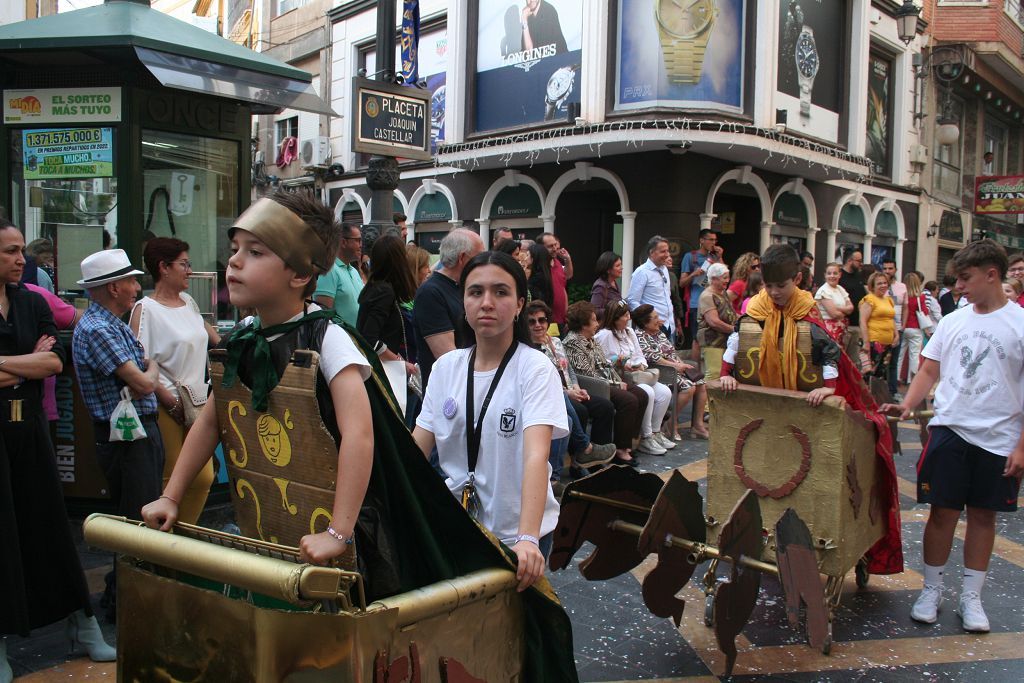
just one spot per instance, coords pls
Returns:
(470, 499)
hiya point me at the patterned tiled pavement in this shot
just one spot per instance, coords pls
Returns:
(617, 639)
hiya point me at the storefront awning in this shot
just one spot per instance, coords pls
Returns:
(269, 93)
(178, 54)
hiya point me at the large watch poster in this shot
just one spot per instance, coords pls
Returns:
(687, 55)
(812, 39)
(528, 59)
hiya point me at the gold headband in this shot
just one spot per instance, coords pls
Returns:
(287, 235)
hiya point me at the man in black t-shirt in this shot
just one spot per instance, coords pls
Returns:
(849, 279)
(438, 312)
(541, 26)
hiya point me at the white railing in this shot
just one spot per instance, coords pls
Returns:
(1015, 11)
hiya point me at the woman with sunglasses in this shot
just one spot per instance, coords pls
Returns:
(175, 336)
(492, 411)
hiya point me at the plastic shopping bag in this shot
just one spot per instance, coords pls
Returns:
(125, 424)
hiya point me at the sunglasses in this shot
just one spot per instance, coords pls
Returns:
(756, 266)
(537, 321)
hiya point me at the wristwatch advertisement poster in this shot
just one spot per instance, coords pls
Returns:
(681, 53)
(528, 59)
(812, 34)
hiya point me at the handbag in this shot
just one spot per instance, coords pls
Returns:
(649, 377)
(191, 405)
(924, 321)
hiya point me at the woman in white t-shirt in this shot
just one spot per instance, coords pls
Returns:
(834, 303)
(492, 410)
(621, 346)
(175, 336)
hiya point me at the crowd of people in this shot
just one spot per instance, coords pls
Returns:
(500, 377)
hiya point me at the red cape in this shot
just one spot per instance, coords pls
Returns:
(886, 556)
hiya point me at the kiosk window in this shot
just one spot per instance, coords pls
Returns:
(190, 191)
(64, 189)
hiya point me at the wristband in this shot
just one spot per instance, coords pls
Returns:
(338, 537)
(170, 499)
(527, 537)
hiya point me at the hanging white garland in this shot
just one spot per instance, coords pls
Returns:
(524, 144)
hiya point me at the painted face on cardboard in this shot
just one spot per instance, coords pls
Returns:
(490, 301)
(12, 255)
(257, 276)
(781, 292)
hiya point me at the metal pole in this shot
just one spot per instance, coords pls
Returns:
(700, 551)
(382, 171)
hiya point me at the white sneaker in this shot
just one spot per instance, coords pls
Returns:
(926, 607)
(972, 613)
(650, 446)
(663, 441)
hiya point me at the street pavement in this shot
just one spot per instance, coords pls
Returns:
(617, 639)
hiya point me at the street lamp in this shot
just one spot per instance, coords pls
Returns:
(947, 63)
(906, 20)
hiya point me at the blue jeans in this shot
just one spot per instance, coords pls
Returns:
(576, 442)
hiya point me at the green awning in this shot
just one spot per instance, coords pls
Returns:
(790, 209)
(852, 219)
(520, 201)
(886, 225)
(433, 208)
(179, 54)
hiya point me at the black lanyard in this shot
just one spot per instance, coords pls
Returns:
(473, 431)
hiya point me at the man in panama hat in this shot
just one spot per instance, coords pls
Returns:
(107, 359)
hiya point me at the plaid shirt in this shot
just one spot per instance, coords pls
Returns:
(102, 343)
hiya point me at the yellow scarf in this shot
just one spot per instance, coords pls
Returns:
(773, 370)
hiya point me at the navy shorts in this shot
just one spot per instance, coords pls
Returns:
(952, 474)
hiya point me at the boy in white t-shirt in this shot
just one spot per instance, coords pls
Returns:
(975, 452)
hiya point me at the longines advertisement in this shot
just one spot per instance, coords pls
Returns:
(681, 54)
(811, 48)
(527, 62)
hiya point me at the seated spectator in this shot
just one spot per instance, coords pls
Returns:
(622, 348)
(587, 358)
(658, 350)
(580, 406)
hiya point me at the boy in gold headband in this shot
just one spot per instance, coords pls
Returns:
(783, 331)
(279, 246)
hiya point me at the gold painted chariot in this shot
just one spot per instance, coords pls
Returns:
(202, 605)
(793, 491)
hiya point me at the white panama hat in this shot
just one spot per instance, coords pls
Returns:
(106, 266)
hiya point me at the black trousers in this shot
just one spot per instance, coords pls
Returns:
(630, 405)
(600, 413)
(134, 469)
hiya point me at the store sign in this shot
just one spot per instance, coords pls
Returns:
(68, 153)
(433, 208)
(999, 194)
(516, 202)
(391, 120)
(681, 55)
(812, 51)
(528, 62)
(790, 209)
(62, 105)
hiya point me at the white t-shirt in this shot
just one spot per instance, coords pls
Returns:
(980, 394)
(528, 394)
(337, 351)
(836, 295)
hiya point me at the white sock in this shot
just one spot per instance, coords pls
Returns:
(933, 575)
(973, 580)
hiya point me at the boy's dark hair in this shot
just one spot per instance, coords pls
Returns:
(979, 254)
(319, 217)
(779, 262)
(161, 250)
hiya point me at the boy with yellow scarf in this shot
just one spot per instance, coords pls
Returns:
(784, 312)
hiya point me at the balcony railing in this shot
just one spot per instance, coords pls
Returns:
(1015, 11)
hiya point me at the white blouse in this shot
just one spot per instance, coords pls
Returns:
(624, 345)
(836, 295)
(176, 339)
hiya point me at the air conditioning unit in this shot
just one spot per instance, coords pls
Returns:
(918, 154)
(315, 151)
